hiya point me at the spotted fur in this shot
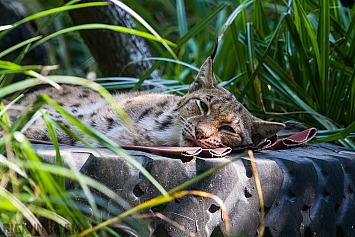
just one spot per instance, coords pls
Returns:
(207, 116)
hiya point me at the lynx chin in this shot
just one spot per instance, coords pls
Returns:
(208, 116)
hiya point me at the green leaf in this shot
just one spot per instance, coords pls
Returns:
(103, 26)
(181, 17)
(52, 11)
(323, 41)
(19, 45)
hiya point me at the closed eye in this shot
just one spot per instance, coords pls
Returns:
(227, 129)
(202, 106)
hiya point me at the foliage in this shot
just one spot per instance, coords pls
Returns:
(282, 61)
(298, 59)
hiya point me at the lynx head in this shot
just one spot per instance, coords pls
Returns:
(212, 117)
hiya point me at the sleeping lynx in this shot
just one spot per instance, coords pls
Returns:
(207, 116)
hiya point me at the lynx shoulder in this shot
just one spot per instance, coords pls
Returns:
(207, 116)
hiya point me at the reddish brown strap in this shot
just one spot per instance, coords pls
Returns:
(267, 142)
(294, 140)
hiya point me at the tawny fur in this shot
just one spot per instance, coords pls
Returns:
(207, 116)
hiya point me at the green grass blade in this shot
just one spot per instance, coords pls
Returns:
(42, 78)
(107, 27)
(96, 87)
(85, 188)
(310, 31)
(25, 117)
(19, 45)
(54, 140)
(5, 27)
(261, 60)
(233, 16)
(343, 134)
(53, 11)
(49, 215)
(18, 86)
(166, 60)
(4, 109)
(181, 17)
(17, 68)
(11, 165)
(259, 20)
(323, 41)
(144, 23)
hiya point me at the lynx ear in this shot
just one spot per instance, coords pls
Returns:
(205, 78)
(263, 129)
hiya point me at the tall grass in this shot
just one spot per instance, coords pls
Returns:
(295, 60)
(283, 61)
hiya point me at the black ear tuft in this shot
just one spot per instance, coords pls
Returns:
(215, 47)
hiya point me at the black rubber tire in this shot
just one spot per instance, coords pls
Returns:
(307, 191)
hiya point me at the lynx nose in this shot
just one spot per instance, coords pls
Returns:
(200, 134)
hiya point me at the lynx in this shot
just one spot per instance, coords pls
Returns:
(208, 116)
